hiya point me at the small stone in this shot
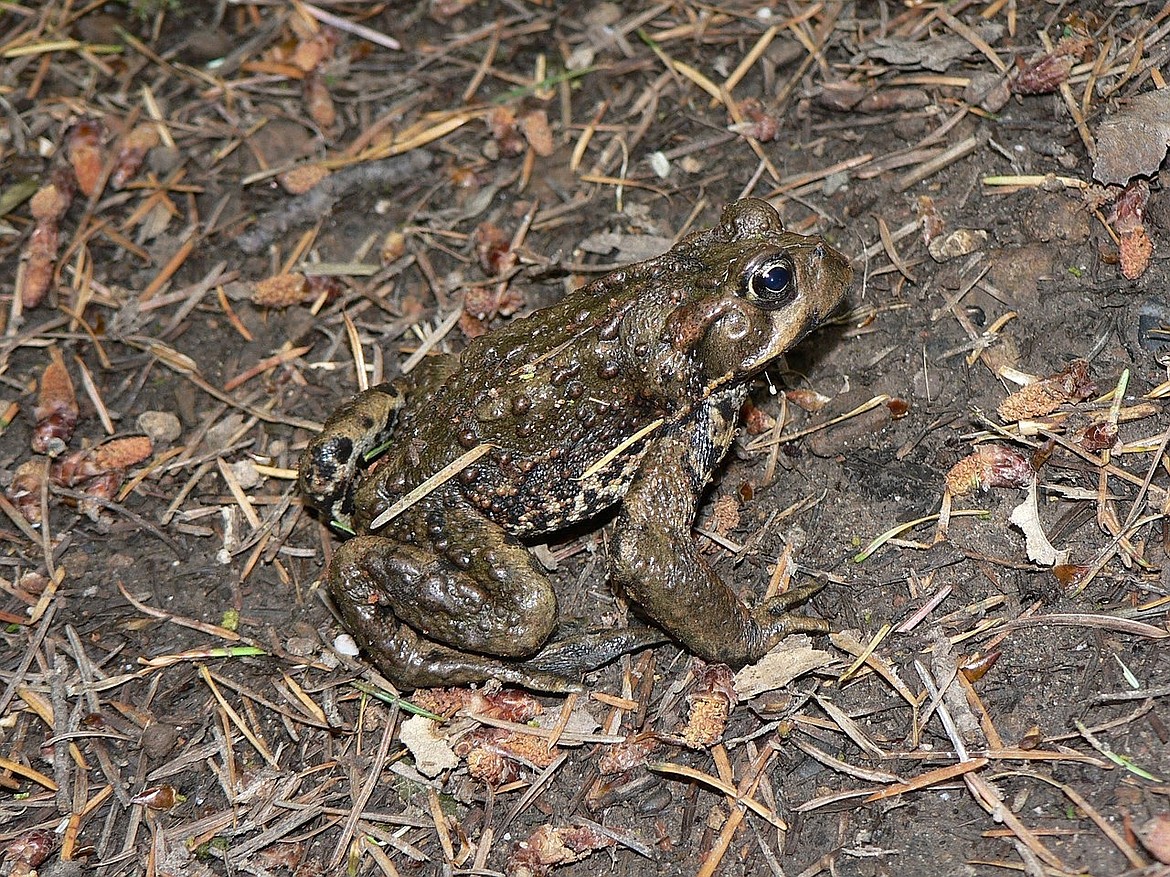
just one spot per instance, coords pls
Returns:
(344, 644)
(163, 427)
(300, 646)
(158, 739)
(960, 242)
(246, 474)
(989, 91)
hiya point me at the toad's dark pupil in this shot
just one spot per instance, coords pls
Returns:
(776, 279)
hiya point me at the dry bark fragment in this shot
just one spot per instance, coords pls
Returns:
(1132, 141)
(1155, 837)
(319, 200)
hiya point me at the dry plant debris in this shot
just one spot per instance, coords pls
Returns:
(220, 219)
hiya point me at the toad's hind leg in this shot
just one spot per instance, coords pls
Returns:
(425, 619)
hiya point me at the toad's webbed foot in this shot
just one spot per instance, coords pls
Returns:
(776, 618)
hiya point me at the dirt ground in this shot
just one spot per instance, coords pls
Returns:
(971, 456)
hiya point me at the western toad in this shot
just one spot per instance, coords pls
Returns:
(626, 391)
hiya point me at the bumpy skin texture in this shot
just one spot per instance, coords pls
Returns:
(626, 391)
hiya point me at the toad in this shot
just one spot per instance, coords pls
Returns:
(626, 392)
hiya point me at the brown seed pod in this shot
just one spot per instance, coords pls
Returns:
(549, 846)
(303, 177)
(630, 753)
(493, 249)
(281, 291)
(314, 51)
(162, 797)
(56, 411)
(134, 147)
(30, 848)
(1044, 75)
(1099, 436)
(1128, 219)
(1071, 384)
(933, 225)
(990, 466)
(83, 149)
(99, 488)
(319, 102)
(509, 704)
(711, 701)
(759, 124)
(976, 666)
(115, 455)
(491, 753)
(25, 490)
(755, 420)
(535, 128)
(501, 122)
(47, 206)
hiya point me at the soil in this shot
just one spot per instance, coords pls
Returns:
(174, 699)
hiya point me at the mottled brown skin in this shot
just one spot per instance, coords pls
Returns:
(626, 391)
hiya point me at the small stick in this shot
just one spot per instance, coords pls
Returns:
(929, 168)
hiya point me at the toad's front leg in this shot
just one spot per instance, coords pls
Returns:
(658, 566)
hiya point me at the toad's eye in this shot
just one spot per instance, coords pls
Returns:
(773, 283)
